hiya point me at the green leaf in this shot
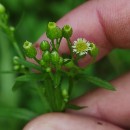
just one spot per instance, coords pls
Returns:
(17, 113)
(30, 77)
(99, 82)
(17, 85)
(75, 107)
(29, 64)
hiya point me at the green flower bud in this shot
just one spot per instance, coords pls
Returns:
(67, 31)
(42, 62)
(65, 95)
(22, 67)
(48, 69)
(12, 28)
(53, 32)
(94, 50)
(46, 56)
(16, 67)
(55, 57)
(44, 46)
(2, 9)
(15, 60)
(30, 50)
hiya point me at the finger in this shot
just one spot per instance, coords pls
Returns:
(57, 121)
(105, 22)
(112, 106)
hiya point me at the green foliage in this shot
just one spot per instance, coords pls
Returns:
(18, 113)
(30, 18)
(99, 82)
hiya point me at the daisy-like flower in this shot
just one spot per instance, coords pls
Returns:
(81, 46)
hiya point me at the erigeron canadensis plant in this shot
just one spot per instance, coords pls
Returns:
(56, 74)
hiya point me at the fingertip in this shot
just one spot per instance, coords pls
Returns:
(62, 121)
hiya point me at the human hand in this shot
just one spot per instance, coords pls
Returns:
(106, 23)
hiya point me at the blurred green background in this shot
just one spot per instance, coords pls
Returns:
(30, 18)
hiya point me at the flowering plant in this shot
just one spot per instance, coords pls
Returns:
(56, 74)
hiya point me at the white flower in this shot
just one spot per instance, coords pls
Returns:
(81, 46)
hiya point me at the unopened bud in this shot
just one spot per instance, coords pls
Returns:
(12, 28)
(42, 62)
(65, 95)
(15, 60)
(67, 31)
(53, 32)
(16, 67)
(44, 46)
(94, 50)
(46, 56)
(55, 57)
(48, 69)
(30, 50)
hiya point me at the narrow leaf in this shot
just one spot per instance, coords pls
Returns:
(29, 64)
(17, 113)
(30, 77)
(75, 107)
(99, 82)
(17, 85)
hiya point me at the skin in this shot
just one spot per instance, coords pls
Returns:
(106, 23)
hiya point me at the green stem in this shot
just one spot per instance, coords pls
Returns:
(60, 40)
(58, 43)
(10, 35)
(36, 60)
(53, 44)
(17, 49)
(70, 48)
(70, 86)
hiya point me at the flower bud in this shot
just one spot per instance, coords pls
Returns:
(30, 51)
(2, 9)
(94, 50)
(22, 67)
(16, 67)
(42, 62)
(12, 28)
(53, 32)
(44, 46)
(65, 95)
(15, 60)
(55, 57)
(67, 31)
(48, 69)
(46, 56)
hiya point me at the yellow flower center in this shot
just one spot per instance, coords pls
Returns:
(81, 46)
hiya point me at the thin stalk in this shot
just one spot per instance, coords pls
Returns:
(10, 35)
(53, 44)
(70, 48)
(36, 60)
(17, 49)
(58, 41)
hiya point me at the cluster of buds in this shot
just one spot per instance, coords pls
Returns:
(50, 55)
(17, 66)
(51, 62)
(4, 20)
